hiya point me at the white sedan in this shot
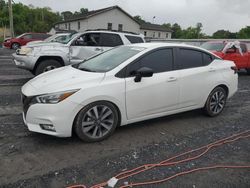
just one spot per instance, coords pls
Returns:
(125, 85)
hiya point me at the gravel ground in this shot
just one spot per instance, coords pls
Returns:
(34, 160)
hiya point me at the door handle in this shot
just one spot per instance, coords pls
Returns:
(172, 79)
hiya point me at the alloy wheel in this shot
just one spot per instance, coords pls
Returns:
(49, 68)
(217, 102)
(98, 121)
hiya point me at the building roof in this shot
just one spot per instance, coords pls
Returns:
(155, 27)
(96, 12)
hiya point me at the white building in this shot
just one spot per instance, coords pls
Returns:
(110, 18)
(155, 31)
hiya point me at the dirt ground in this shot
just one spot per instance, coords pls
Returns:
(33, 160)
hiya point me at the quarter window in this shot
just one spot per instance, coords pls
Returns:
(158, 61)
(207, 59)
(189, 58)
(133, 39)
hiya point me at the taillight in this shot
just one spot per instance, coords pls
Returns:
(235, 69)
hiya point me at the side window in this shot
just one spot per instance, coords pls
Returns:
(89, 39)
(134, 39)
(189, 58)
(110, 40)
(207, 59)
(28, 36)
(158, 61)
(243, 48)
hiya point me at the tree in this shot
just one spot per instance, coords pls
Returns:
(139, 19)
(66, 15)
(223, 34)
(244, 33)
(84, 10)
(177, 31)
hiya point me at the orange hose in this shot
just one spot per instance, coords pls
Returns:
(167, 162)
(183, 173)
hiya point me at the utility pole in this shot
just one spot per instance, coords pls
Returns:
(11, 18)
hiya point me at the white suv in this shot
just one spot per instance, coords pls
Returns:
(76, 48)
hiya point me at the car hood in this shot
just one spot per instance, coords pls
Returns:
(62, 79)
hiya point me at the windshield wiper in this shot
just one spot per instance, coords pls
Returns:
(85, 69)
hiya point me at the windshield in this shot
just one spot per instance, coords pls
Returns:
(213, 46)
(19, 36)
(51, 38)
(68, 38)
(108, 60)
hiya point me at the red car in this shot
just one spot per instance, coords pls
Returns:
(15, 43)
(234, 51)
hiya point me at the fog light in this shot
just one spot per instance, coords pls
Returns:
(48, 127)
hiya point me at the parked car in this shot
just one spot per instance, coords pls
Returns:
(60, 37)
(81, 46)
(234, 51)
(15, 43)
(116, 88)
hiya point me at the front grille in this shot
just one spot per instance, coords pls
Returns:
(26, 103)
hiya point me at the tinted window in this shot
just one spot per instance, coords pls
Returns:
(159, 61)
(134, 39)
(89, 39)
(207, 59)
(110, 40)
(243, 48)
(189, 58)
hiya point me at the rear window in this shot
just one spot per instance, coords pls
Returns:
(190, 58)
(133, 39)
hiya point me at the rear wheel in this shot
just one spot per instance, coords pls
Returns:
(248, 71)
(46, 66)
(216, 102)
(15, 46)
(96, 121)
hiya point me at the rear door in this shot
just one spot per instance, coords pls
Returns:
(156, 94)
(110, 40)
(195, 76)
(84, 47)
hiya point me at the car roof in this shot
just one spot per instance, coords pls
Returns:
(112, 32)
(159, 45)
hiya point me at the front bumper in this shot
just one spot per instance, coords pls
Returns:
(61, 116)
(24, 61)
(7, 44)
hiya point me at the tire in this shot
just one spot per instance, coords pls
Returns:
(248, 71)
(47, 65)
(96, 121)
(216, 102)
(15, 46)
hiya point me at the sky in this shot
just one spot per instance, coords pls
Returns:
(213, 14)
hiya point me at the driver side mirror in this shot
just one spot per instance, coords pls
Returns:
(143, 72)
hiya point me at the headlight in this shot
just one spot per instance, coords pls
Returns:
(53, 98)
(25, 51)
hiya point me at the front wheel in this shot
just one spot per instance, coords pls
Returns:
(96, 121)
(46, 66)
(216, 102)
(15, 46)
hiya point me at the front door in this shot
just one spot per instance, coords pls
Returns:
(84, 47)
(156, 94)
